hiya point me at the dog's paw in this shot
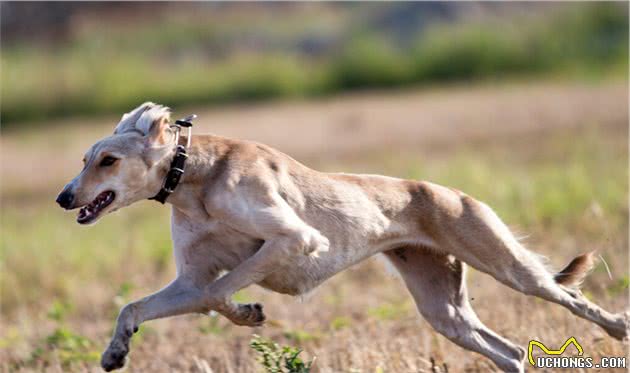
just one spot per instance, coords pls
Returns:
(250, 315)
(621, 329)
(625, 334)
(114, 357)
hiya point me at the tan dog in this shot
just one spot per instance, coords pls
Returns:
(266, 219)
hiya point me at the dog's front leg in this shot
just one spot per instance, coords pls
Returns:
(288, 240)
(285, 248)
(179, 297)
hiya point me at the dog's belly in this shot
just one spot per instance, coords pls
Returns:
(304, 275)
(297, 280)
(288, 284)
(301, 276)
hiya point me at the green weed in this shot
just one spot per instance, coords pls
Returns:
(619, 287)
(277, 359)
(58, 311)
(62, 345)
(340, 322)
(390, 311)
(301, 336)
(210, 325)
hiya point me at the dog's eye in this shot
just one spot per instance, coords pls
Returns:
(107, 161)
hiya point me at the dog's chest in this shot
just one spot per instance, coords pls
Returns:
(209, 246)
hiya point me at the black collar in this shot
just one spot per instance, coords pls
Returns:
(174, 174)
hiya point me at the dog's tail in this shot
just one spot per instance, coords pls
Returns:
(574, 273)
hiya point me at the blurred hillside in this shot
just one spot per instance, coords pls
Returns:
(66, 58)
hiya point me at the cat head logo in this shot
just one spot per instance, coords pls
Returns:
(547, 351)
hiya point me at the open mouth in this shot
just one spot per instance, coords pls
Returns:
(90, 212)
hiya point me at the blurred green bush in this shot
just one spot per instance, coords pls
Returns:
(165, 62)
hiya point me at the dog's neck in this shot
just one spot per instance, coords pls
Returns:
(199, 167)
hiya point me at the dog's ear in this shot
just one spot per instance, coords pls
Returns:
(154, 124)
(129, 120)
(159, 132)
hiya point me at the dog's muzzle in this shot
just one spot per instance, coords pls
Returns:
(65, 199)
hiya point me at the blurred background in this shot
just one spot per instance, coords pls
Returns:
(522, 105)
(68, 58)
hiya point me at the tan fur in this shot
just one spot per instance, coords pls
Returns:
(574, 273)
(251, 211)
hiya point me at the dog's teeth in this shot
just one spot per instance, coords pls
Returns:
(93, 209)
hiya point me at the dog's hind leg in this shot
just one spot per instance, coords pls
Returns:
(438, 287)
(478, 237)
(526, 273)
(533, 278)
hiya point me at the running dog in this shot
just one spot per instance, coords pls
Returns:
(259, 216)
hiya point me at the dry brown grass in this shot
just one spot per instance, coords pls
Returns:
(514, 146)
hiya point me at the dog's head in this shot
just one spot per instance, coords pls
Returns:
(123, 168)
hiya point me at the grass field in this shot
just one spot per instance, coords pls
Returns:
(551, 158)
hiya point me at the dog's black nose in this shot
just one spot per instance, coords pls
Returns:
(65, 199)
